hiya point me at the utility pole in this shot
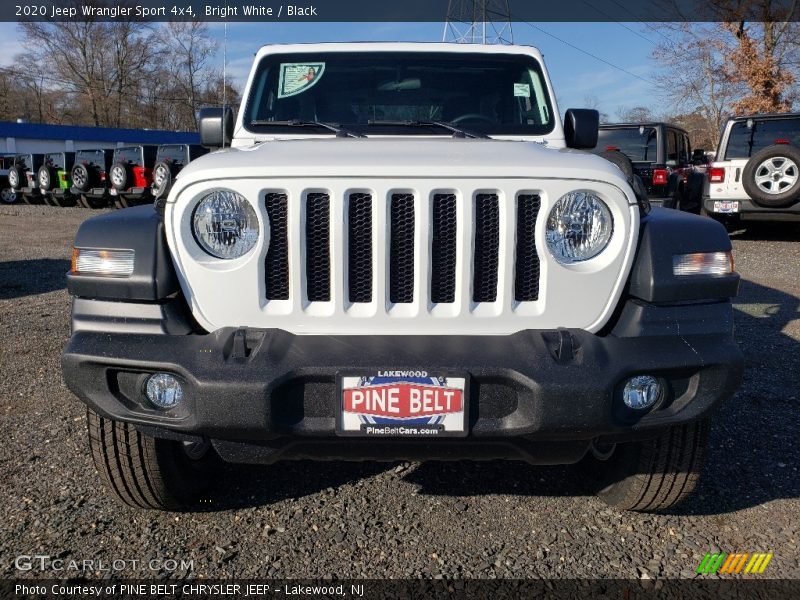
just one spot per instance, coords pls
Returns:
(478, 22)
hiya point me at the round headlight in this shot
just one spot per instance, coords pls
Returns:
(579, 227)
(225, 224)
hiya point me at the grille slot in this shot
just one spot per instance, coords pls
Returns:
(443, 249)
(487, 246)
(359, 248)
(526, 278)
(401, 249)
(276, 264)
(318, 247)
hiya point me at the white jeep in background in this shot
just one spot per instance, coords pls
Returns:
(401, 252)
(756, 174)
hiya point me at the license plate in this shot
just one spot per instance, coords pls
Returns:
(402, 404)
(726, 206)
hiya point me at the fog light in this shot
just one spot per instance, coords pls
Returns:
(164, 390)
(641, 392)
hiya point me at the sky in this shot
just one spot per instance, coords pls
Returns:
(607, 62)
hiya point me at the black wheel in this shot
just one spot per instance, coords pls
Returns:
(162, 179)
(772, 176)
(147, 472)
(119, 176)
(47, 198)
(692, 200)
(621, 160)
(8, 195)
(93, 203)
(730, 222)
(650, 475)
(64, 200)
(81, 177)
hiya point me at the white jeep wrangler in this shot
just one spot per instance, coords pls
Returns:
(756, 174)
(404, 254)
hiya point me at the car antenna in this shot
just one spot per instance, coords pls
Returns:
(224, 77)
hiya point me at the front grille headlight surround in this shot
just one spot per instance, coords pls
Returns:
(225, 224)
(579, 227)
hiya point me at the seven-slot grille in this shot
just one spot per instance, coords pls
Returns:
(400, 233)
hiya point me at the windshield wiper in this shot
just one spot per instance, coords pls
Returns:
(334, 127)
(457, 131)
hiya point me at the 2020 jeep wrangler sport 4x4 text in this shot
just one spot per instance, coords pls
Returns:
(404, 254)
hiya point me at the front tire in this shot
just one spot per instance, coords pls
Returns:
(655, 474)
(148, 472)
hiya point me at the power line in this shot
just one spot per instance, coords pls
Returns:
(633, 31)
(587, 53)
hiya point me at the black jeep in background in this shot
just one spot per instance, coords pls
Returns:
(22, 177)
(661, 155)
(170, 159)
(8, 194)
(90, 177)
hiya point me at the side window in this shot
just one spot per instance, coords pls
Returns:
(672, 148)
(686, 150)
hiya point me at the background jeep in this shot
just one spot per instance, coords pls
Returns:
(170, 160)
(8, 194)
(662, 156)
(131, 175)
(433, 267)
(756, 174)
(54, 181)
(22, 177)
(90, 177)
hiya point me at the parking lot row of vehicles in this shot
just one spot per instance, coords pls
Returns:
(754, 175)
(95, 178)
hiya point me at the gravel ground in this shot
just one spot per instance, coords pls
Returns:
(309, 520)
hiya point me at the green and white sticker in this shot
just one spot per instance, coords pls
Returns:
(522, 90)
(296, 78)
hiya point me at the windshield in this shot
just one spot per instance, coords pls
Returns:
(639, 146)
(744, 141)
(493, 94)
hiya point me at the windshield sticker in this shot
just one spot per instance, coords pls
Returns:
(523, 90)
(296, 78)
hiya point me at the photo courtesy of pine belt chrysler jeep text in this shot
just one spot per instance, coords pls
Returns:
(399, 251)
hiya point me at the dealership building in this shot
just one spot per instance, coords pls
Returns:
(34, 138)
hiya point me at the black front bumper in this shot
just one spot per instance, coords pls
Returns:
(541, 396)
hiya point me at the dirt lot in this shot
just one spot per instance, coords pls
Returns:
(308, 520)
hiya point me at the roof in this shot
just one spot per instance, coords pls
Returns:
(38, 131)
(643, 124)
(766, 116)
(451, 47)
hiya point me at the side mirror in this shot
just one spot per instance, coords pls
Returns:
(581, 126)
(216, 127)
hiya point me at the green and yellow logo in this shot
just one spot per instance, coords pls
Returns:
(740, 562)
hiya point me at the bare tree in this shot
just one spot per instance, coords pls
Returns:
(745, 62)
(188, 50)
(635, 114)
(117, 74)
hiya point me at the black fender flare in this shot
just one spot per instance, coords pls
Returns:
(140, 229)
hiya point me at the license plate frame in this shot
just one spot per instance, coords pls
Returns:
(726, 207)
(440, 425)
